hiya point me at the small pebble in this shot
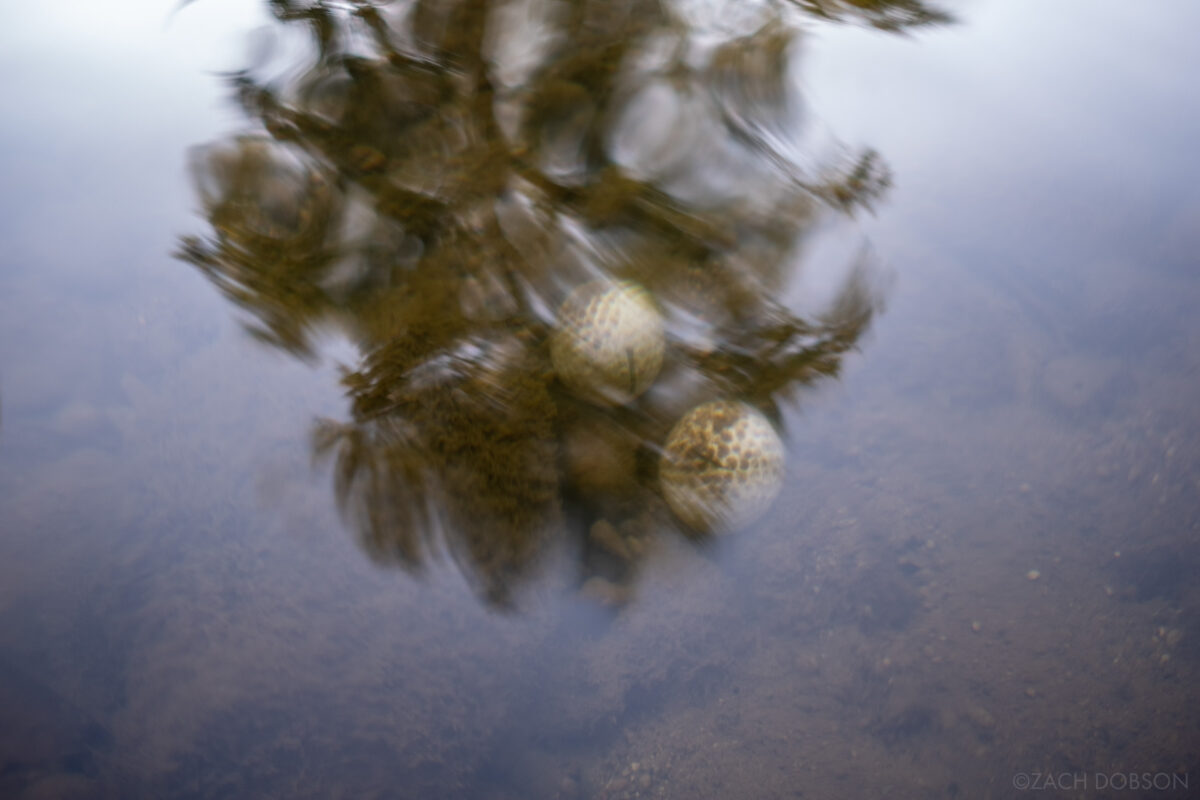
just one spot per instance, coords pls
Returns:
(981, 717)
(604, 592)
(605, 536)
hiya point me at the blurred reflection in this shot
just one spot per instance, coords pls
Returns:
(559, 232)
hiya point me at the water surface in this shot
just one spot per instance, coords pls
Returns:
(978, 580)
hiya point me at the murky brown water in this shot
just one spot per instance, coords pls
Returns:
(397, 544)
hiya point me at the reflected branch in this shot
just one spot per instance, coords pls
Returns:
(888, 15)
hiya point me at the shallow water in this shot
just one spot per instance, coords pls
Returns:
(979, 579)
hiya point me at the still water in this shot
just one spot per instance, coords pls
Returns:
(344, 350)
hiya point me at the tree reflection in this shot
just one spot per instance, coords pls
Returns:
(439, 176)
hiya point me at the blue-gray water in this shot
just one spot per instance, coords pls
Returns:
(979, 580)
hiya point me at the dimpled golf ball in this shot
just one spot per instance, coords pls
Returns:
(608, 342)
(722, 466)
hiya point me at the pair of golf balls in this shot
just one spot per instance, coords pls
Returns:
(723, 463)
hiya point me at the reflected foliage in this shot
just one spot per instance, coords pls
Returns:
(432, 178)
(888, 15)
